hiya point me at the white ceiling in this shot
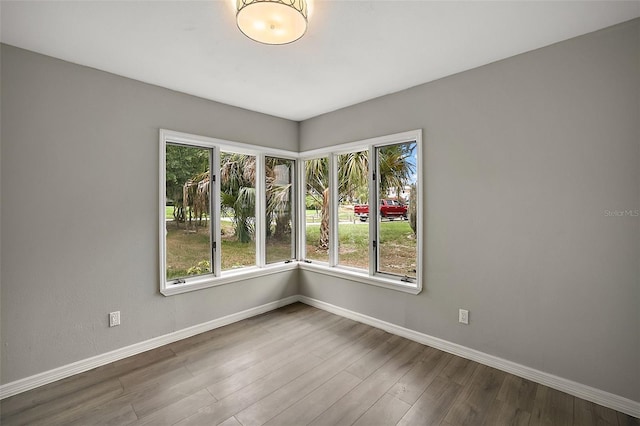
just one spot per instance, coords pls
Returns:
(353, 50)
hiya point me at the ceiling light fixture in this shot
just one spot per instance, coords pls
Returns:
(272, 21)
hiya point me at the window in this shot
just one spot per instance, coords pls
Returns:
(396, 183)
(237, 210)
(317, 200)
(353, 190)
(231, 211)
(187, 212)
(279, 200)
(373, 226)
(226, 211)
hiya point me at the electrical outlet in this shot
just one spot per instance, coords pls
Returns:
(463, 316)
(114, 318)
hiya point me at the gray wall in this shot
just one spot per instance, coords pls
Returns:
(522, 157)
(79, 211)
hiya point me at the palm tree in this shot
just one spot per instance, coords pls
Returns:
(353, 169)
(396, 167)
(353, 174)
(317, 177)
(237, 192)
(237, 187)
(278, 196)
(195, 197)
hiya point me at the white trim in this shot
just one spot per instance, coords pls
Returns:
(360, 145)
(225, 145)
(374, 211)
(361, 276)
(162, 209)
(227, 277)
(32, 382)
(260, 211)
(420, 199)
(301, 211)
(216, 217)
(334, 217)
(579, 390)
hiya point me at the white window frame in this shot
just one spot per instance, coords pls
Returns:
(331, 268)
(218, 277)
(294, 209)
(370, 276)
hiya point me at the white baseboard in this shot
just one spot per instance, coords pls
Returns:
(579, 390)
(50, 376)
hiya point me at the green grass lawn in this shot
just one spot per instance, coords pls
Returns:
(185, 249)
(168, 212)
(397, 248)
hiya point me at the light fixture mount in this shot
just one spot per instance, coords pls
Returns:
(272, 21)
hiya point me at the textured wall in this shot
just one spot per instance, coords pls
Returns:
(79, 211)
(523, 158)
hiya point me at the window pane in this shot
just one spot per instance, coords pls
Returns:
(353, 190)
(188, 233)
(238, 210)
(280, 235)
(317, 209)
(397, 252)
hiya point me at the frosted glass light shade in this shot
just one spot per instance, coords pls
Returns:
(272, 21)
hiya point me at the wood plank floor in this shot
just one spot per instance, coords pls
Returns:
(296, 366)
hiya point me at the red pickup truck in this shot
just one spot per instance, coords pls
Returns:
(388, 208)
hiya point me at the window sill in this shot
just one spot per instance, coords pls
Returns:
(227, 278)
(254, 272)
(352, 275)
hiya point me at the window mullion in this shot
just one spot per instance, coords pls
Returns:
(419, 212)
(374, 176)
(333, 210)
(294, 210)
(163, 208)
(216, 213)
(301, 210)
(261, 210)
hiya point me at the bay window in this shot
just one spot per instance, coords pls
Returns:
(231, 211)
